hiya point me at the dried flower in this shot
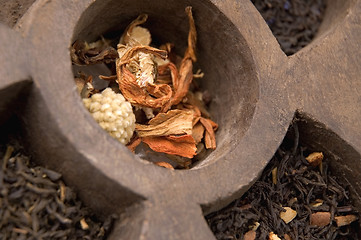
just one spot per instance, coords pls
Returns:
(156, 81)
(209, 136)
(153, 95)
(113, 113)
(183, 146)
(83, 53)
(198, 132)
(174, 122)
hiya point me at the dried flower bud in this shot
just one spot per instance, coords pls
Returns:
(113, 113)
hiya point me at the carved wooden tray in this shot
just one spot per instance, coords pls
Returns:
(257, 90)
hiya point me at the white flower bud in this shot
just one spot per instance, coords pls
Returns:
(113, 113)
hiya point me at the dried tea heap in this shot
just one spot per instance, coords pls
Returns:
(170, 117)
(306, 201)
(36, 204)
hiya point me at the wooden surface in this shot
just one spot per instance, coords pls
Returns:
(257, 90)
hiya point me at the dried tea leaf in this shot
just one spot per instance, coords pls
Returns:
(209, 137)
(175, 145)
(174, 122)
(320, 219)
(292, 201)
(345, 220)
(288, 215)
(198, 132)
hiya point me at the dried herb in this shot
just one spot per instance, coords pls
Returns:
(174, 122)
(84, 54)
(151, 82)
(36, 204)
(304, 203)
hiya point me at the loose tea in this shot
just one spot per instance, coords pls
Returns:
(293, 22)
(159, 106)
(296, 198)
(36, 204)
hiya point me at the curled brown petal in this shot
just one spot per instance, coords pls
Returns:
(209, 136)
(198, 132)
(183, 79)
(192, 36)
